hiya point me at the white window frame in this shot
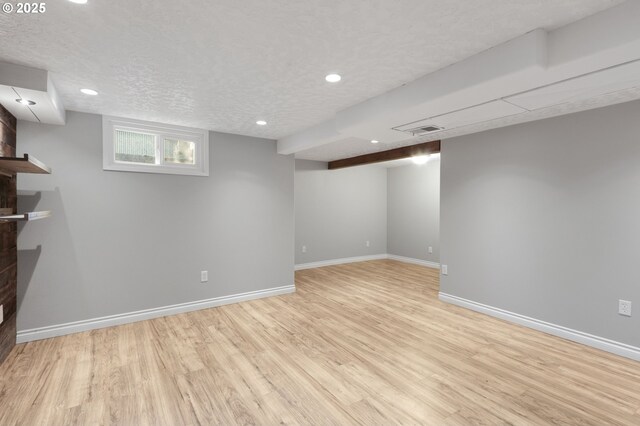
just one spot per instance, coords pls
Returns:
(161, 132)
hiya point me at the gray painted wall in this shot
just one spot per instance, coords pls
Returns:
(338, 210)
(120, 242)
(543, 219)
(413, 211)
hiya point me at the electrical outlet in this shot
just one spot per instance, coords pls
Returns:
(1, 314)
(204, 276)
(367, 243)
(304, 249)
(624, 307)
(430, 250)
(444, 270)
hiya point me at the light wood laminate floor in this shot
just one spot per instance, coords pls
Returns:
(365, 343)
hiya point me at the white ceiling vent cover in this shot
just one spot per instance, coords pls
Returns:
(423, 129)
(464, 117)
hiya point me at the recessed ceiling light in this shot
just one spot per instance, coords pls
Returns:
(374, 141)
(25, 102)
(90, 92)
(333, 78)
(261, 123)
(420, 159)
(78, 1)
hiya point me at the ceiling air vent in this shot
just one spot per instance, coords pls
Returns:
(422, 130)
(429, 129)
(460, 118)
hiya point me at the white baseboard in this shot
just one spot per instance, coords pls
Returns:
(343, 260)
(421, 262)
(129, 317)
(332, 262)
(597, 342)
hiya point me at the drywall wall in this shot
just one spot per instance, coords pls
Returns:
(337, 211)
(413, 211)
(541, 219)
(120, 242)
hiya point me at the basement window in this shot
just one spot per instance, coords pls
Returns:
(141, 146)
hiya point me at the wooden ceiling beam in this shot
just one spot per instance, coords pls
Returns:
(389, 155)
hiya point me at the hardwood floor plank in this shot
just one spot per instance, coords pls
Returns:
(365, 343)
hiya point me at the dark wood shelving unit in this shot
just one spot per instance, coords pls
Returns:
(9, 166)
(25, 216)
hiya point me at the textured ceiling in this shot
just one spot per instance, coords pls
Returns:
(351, 147)
(222, 65)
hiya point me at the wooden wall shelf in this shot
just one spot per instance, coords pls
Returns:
(12, 165)
(25, 216)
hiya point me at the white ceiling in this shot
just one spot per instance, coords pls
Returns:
(351, 147)
(222, 65)
(591, 63)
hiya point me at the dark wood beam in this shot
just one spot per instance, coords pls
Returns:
(389, 155)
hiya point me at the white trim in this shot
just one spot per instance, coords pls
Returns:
(355, 259)
(200, 137)
(597, 342)
(421, 262)
(129, 317)
(331, 262)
